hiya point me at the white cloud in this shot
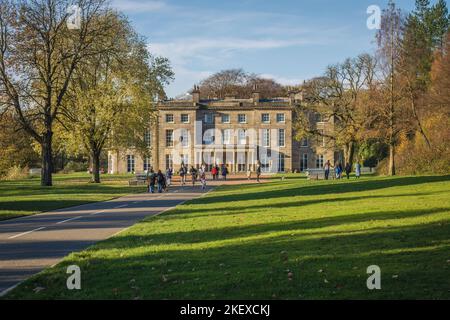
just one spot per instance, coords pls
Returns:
(282, 80)
(132, 6)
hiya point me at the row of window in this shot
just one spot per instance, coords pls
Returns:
(209, 137)
(320, 161)
(241, 118)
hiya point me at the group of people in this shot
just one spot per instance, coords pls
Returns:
(339, 170)
(157, 181)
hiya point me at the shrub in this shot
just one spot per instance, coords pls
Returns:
(75, 166)
(16, 173)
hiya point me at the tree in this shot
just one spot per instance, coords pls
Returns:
(339, 97)
(423, 34)
(38, 58)
(112, 93)
(389, 118)
(239, 84)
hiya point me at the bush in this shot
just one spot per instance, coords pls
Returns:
(75, 166)
(16, 173)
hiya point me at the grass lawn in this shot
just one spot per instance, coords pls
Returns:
(243, 241)
(26, 197)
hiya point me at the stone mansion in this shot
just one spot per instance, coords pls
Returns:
(236, 132)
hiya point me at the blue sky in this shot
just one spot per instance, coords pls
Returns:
(286, 40)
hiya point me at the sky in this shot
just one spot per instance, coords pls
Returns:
(287, 40)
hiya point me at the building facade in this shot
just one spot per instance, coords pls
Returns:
(236, 132)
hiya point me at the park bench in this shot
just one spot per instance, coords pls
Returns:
(139, 179)
(315, 174)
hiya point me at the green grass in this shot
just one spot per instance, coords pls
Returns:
(240, 242)
(27, 197)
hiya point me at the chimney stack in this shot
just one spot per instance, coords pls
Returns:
(256, 96)
(196, 94)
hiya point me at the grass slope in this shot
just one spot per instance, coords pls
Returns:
(27, 197)
(243, 241)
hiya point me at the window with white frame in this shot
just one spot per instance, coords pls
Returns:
(227, 136)
(146, 164)
(169, 118)
(281, 137)
(281, 117)
(184, 159)
(208, 137)
(266, 137)
(209, 118)
(319, 161)
(242, 136)
(265, 118)
(225, 118)
(169, 161)
(169, 138)
(242, 118)
(304, 162)
(148, 138)
(281, 162)
(184, 137)
(130, 163)
(304, 142)
(184, 118)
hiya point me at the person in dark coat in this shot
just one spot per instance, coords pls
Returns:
(348, 169)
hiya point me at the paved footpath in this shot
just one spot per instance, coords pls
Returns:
(30, 244)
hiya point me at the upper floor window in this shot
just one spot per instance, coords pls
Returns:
(281, 138)
(304, 142)
(242, 135)
(242, 118)
(169, 118)
(148, 138)
(225, 118)
(169, 138)
(209, 118)
(184, 138)
(318, 117)
(184, 118)
(227, 136)
(208, 137)
(281, 117)
(266, 138)
(265, 118)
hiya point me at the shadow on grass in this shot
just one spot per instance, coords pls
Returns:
(322, 188)
(412, 260)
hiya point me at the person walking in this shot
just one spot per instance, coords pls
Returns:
(217, 171)
(160, 179)
(214, 172)
(357, 169)
(249, 174)
(202, 175)
(258, 171)
(183, 173)
(152, 181)
(327, 168)
(169, 174)
(348, 170)
(336, 170)
(224, 172)
(193, 173)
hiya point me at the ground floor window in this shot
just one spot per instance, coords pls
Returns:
(184, 159)
(169, 161)
(281, 158)
(130, 163)
(319, 161)
(146, 164)
(304, 162)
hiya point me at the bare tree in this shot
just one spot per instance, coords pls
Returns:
(38, 57)
(339, 97)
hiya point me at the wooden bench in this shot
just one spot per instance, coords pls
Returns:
(139, 179)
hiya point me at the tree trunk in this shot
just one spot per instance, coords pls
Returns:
(391, 159)
(47, 160)
(349, 152)
(95, 156)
